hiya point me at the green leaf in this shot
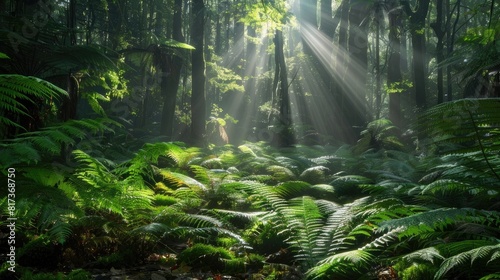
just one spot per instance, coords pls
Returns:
(176, 44)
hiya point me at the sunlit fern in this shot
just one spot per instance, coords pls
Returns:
(32, 147)
(117, 195)
(379, 134)
(314, 228)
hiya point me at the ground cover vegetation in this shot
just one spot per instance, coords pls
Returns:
(175, 139)
(370, 211)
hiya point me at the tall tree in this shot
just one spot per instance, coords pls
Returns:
(394, 76)
(198, 96)
(354, 103)
(170, 81)
(326, 22)
(68, 109)
(378, 18)
(450, 42)
(307, 17)
(338, 90)
(417, 17)
(438, 27)
(285, 131)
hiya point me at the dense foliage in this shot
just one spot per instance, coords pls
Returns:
(303, 139)
(375, 210)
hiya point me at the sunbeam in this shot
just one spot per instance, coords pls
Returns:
(338, 88)
(244, 105)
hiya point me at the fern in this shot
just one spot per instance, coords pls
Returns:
(429, 254)
(41, 206)
(16, 89)
(178, 180)
(379, 134)
(465, 126)
(305, 223)
(346, 265)
(116, 196)
(426, 221)
(69, 58)
(48, 142)
(488, 253)
(492, 276)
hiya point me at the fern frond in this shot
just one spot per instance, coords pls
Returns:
(251, 216)
(430, 254)
(200, 221)
(432, 219)
(465, 126)
(315, 175)
(46, 208)
(280, 173)
(289, 163)
(178, 180)
(291, 189)
(16, 89)
(340, 227)
(305, 222)
(492, 276)
(381, 241)
(156, 229)
(67, 58)
(348, 185)
(18, 151)
(200, 174)
(346, 265)
(468, 257)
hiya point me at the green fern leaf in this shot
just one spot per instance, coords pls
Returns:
(493, 276)
(179, 180)
(346, 265)
(430, 219)
(281, 173)
(461, 260)
(430, 254)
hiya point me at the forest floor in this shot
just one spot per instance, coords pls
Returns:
(160, 272)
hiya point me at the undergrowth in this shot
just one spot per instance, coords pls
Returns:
(372, 211)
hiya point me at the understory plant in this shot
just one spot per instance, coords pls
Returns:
(373, 211)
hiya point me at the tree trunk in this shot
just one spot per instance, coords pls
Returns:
(218, 30)
(170, 82)
(198, 97)
(417, 25)
(327, 25)
(115, 22)
(251, 81)
(378, 77)
(308, 21)
(354, 107)
(284, 135)
(239, 107)
(68, 108)
(450, 47)
(340, 65)
(437, 26)
(394, 76)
